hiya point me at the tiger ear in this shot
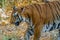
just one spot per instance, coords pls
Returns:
(20, 9)
(14, 8)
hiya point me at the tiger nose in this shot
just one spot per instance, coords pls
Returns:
(16, 23)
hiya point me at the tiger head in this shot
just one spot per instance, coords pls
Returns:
(16, 16)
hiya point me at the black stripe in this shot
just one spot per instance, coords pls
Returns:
(46, 14)
(51, 29)
(32, 12)
(38, 9)
(51, 11)
(29, 17)
(29, 32)
(35, 5)
(32, 9)
(58, 2)
(57, 10)
(58, 26)
(46, 10)
(54, 9)
(58, 5)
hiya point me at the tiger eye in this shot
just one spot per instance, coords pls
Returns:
(22, 8)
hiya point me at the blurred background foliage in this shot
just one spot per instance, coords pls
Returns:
(8, 4)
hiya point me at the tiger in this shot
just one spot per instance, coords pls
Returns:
(36, 15)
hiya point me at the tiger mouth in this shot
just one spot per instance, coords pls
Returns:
(16, 23)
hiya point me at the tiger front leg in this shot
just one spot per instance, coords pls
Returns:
(37, 32)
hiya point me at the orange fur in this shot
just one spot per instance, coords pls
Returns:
(40, 14)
